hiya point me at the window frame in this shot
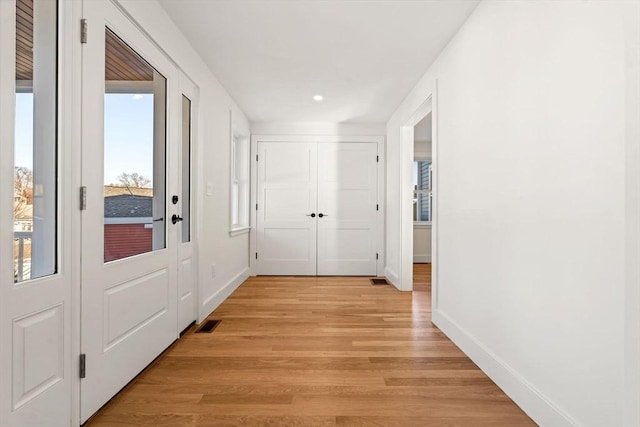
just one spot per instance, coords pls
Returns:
(239, 163)
(424, 158)
(47, 263)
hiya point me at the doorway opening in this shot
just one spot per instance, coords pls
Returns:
(418, 169)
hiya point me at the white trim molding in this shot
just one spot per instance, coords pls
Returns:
(239, 231)
(421, 224)
(407, 158)
(524, 394)
(392, 277)
(213, 301)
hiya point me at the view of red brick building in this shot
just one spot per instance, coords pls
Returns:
(128, 222)
(124, 240)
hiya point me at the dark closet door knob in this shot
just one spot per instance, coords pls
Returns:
(321, 215)
(312, 215)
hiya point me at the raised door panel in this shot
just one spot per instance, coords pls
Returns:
(38, 354)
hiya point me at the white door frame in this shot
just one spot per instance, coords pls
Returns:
(429, 105)
(71, 50)
(378, 140)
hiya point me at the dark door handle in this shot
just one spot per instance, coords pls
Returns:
(321, 215)
(158, 219)
(175, 218)
(312, 215)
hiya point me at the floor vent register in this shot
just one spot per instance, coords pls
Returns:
(208, 326)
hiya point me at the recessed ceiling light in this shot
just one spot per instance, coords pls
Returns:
(318, 98)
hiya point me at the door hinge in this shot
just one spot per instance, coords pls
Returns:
(376, 255)
(256, 157)
(377, 207)
(83, 365)
(377, 159)
(83, 198)
(256, 206)
(83, 30)
(256, 255)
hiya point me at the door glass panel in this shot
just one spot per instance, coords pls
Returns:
(134, 153)
(35, 162)
(186, 169)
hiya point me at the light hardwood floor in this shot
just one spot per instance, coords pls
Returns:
(307, 351)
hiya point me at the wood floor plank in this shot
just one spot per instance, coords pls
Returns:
(316, 352)
(405, 421)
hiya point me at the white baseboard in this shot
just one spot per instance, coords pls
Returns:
(218, 298)
(392, 277)
(422, 258)
(524, 394)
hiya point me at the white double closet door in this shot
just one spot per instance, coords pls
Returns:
(317, 209)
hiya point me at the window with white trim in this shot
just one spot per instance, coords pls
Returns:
(239, 183)
(422, 191)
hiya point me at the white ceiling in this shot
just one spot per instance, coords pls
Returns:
(272, 56)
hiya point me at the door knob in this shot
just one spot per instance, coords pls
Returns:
(175, 218)
(312, 215)
(321, 215)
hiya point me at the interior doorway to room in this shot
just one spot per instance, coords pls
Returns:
(422, 200)
(422, 191)
(418, 168)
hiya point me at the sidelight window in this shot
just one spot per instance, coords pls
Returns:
(35, 194)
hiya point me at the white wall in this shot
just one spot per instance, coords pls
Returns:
(632, 232)
(423, 131)
(229, 254)
(421, 243)
(530, 143)
(318, 128)
(422, 149)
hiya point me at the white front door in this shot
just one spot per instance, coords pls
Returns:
(316, 209)
(286, 208)
(347, 209)
(129, 268)
(35, 268)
